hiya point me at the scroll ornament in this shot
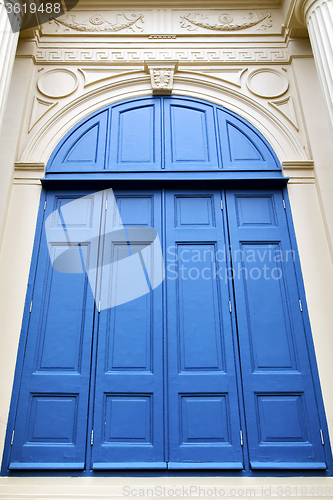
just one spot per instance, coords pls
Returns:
(99, 24)
(192, 22)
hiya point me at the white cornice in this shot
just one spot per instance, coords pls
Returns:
(222, 4)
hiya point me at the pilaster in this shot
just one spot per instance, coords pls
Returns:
(9, 33)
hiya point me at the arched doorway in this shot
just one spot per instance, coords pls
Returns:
(214, 368)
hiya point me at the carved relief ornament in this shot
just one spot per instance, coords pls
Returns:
(98, 24)
(161, 75)
(226, 22)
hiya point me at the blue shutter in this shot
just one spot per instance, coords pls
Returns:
(135, 142)
(282, 420)
(161, 133)
(242, 147)
(51, 419)
(190, 134)
(169, 402)
(84, 149)
(204, 424)
(128, 415)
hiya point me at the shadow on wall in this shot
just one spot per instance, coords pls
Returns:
(35, 13)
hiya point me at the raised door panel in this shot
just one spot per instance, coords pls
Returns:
(51, 418)
(280, 404)
(84, 149)
(128, 416)
(190, 136)
(242, 147)
(204, 425)
(135, 140)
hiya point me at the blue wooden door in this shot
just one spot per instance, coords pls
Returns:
(51, 417)
(128, 402)
(157, 378)
(283, 427)
(203, 409)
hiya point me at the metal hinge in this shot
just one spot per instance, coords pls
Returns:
(106, 204)
(300, 305)
(12, 440)
(44, 205)
(241, 438)
(230, 306)
(284, 203)
(221, 204)
(322, 437)
(30, 307)
(92, 438)
(99, 306)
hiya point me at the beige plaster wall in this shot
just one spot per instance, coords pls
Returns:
(10, 132)
(222, 70)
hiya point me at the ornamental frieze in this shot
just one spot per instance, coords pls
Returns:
(137, 56)
(98, 24)
(226, 22)
(166, 23)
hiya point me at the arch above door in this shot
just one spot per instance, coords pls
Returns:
(169, 137)
(157, 140)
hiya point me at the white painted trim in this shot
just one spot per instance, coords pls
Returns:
(137, 84)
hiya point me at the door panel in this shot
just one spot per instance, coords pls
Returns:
(189, 136)
(204, 426)
(51, 424)
(128, 415)
(83, 150)
(281, 412)
(242, 148)
(135, 136)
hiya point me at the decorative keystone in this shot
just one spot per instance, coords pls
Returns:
(161, 75)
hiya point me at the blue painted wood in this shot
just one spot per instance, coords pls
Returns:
(280, 402)
(130, 180)
(129, 465)
(50, 424)
(83, 149)
(79, 466)
(204, 425)
(289, 465)
(205, 465)
(190, 142)
(202, 408)
(161, 133)
(242, 147)
(309, 339)
(128, 416)
(135, 135)
(191, 418)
